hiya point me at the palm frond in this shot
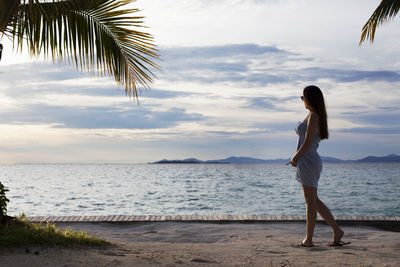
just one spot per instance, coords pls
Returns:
(91, 34)
(386, 10)
(7, 11)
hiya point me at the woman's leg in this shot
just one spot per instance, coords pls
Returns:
(310, 196)
(325, 213)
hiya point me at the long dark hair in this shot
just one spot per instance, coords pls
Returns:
(315, 98)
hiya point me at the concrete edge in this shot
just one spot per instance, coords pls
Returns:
(369, 220)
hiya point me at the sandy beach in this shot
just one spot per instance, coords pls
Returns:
(207, 244)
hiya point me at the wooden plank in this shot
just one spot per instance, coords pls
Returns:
(204, 218)
(109, 218)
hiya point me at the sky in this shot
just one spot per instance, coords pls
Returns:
(232, 73)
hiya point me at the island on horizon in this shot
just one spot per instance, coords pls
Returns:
(248, 160)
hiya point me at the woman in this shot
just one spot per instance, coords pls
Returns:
(309, 165)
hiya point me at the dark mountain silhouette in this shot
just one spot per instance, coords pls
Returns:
(247, 160)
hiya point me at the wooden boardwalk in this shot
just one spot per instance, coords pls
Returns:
(208, 219)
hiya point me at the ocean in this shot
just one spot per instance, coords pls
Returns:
(196, 189)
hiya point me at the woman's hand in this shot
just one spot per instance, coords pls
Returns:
(293, 161)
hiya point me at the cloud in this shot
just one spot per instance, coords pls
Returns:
(44, 78)
(371, 130)
(346, 76)
(378, 119)
(268, 103)
(120, 117)
(220, 51)
(256, 65)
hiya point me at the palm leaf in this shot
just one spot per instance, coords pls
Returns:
(91, 34)
(386, 10)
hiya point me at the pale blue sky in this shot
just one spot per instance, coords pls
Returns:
(232, 73)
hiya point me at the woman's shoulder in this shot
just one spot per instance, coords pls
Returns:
(313, 116)
(313, 119)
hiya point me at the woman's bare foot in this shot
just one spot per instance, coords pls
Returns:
(337, 235)
(306, 243)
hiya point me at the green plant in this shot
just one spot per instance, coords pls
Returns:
(3, 200)
(20, 232)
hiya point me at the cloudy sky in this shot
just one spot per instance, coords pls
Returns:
(232, 73)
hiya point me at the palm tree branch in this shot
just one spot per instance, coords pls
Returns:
(91, 34)
(386, 10)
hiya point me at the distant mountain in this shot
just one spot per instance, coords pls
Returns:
(234, 160)
(333, 160)
(246, 160)
(388, 158)
(166, 161)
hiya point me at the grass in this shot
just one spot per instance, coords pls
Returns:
(20, 232)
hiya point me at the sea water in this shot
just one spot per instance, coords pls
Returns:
(196, 189)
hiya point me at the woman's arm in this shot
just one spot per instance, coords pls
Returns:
(312, 125)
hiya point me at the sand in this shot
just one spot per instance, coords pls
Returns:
(207, 244)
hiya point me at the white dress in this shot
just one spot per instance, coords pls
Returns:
(309, 165)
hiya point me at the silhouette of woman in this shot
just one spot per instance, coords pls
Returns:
(309, 165)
